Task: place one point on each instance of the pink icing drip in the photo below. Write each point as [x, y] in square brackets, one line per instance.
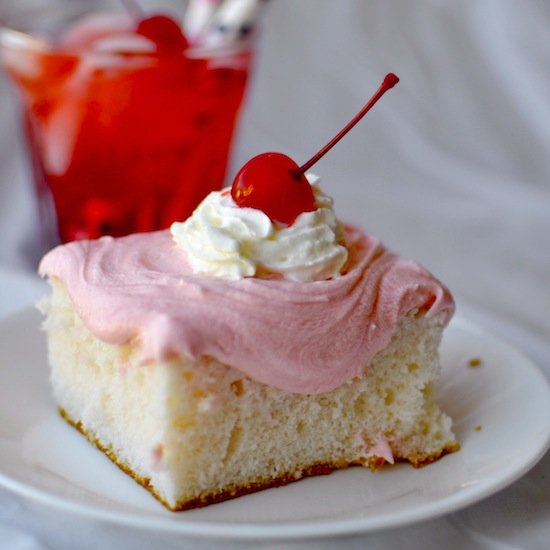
[299, 337]
[382, 449]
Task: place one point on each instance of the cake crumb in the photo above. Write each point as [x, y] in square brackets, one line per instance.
[237, 387]
[477, 428]
[474, 362]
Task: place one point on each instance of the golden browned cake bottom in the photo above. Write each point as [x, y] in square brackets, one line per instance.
[196, 432]
[374, 463]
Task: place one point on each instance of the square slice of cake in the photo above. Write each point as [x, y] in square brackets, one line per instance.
[205, 388]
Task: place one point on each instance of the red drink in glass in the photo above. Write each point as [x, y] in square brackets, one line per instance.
[124, 140]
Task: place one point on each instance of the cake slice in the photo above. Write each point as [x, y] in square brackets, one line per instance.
[205, 388]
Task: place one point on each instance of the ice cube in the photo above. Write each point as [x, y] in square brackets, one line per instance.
[59, 136]
[94, 27]
[124, 43]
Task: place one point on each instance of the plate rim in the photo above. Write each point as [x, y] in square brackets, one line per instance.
[302, 529]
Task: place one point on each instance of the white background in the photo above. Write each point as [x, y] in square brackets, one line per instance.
[452, 168]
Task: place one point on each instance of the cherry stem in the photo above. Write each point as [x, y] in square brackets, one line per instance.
[390, 80]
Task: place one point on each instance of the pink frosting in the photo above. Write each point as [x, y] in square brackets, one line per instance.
[300, 337]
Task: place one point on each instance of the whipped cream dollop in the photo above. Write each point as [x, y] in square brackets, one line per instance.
[224, 240]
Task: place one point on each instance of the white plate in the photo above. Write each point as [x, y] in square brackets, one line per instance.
[43, 458]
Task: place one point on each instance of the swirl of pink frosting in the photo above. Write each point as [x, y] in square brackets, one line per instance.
[300, 337]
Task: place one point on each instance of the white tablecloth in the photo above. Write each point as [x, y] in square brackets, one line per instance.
[452, 168]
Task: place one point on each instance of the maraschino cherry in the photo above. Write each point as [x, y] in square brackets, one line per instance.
[276, 185]
[159, 28]
[164, 32]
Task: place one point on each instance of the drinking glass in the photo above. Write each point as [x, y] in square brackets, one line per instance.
[123, 136]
